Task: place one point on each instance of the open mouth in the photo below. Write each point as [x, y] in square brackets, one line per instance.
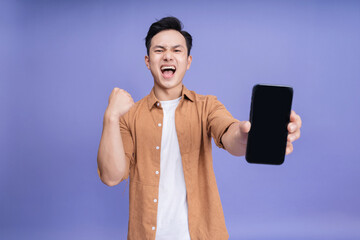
[168, 71]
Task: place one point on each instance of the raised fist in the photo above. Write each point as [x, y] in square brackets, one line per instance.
[120, 101]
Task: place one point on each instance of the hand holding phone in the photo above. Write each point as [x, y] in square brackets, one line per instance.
[269, 117]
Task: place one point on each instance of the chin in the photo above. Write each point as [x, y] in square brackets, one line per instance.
[168, 83]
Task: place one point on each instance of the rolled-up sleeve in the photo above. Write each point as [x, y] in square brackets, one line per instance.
[128, 143]
[219, 120]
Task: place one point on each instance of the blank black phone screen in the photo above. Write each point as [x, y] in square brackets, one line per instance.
[269, 117]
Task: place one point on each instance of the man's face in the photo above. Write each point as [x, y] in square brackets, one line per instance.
[168, 59]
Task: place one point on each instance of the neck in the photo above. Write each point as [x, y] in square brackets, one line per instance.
[165, 94]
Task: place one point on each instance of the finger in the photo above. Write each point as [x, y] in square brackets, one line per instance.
[289, 148]
[299, 121]
[112, 93]
[292, 127]
[245, 126]
[295, 122]
[294, 136]
[295, 118]
[124, 91]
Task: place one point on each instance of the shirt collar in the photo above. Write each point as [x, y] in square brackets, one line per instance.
[185, 94]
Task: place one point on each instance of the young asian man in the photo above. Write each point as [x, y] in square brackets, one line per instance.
[163, 143]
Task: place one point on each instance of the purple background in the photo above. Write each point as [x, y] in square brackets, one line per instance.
[59, 61]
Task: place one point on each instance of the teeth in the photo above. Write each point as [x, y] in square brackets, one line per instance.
[167, 68]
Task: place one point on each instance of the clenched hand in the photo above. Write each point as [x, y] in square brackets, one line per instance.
[120, 101]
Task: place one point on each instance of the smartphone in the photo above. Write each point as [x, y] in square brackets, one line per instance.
[269, 116]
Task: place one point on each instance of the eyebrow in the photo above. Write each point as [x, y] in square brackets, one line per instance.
[162, 47]
[176, 46]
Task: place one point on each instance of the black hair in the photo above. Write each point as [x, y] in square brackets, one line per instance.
[167, 23]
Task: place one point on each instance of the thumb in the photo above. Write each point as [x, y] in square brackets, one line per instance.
[245, 126]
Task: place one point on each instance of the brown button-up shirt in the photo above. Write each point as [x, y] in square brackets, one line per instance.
[197, 119]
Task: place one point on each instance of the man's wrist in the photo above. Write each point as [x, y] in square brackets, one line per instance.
[110, 117]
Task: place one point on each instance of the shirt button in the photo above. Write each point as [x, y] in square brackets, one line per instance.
[157, 147]
[159, 124]
[153, 228]
[157, 104]
[155, 200]
[157, 172]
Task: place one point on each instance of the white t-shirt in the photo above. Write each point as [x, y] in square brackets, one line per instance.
[172, 215]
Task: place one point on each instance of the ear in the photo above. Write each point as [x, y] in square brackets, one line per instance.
[147, 61]
[189, 62]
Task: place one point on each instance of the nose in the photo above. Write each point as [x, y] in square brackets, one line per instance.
[167, 56]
